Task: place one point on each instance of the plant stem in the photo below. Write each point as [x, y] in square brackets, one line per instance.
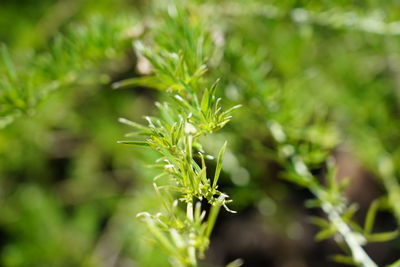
[353, 239]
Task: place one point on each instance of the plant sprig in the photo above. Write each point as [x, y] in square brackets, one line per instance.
[330, 198]
[190, 110]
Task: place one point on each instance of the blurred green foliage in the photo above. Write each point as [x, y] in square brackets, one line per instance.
[325, 73]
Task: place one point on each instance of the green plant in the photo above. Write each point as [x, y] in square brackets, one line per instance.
[330, 198]
[191, 110]
[318, 81]
[82, 49]
[304, 133]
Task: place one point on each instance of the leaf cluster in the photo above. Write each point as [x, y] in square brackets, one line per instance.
[23, 85]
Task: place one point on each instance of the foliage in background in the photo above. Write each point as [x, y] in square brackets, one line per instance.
[83, 48]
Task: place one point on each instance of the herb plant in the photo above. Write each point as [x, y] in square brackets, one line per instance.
[190, 111]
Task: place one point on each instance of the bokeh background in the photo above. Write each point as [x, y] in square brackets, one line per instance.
[328, 71]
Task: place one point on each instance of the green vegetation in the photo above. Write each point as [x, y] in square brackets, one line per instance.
[265, 133]
[191, 111]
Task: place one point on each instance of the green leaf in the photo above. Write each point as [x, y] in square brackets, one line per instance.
[320, 222]
[326, 234]
[135, 143]
[212, 217]
[205, 101]
[313, 203]
[146, 81]
[382, 237]
[230, 110]
[349, 213]
[344, 259]
[133, 124]
[219, 165]
[370, 219]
